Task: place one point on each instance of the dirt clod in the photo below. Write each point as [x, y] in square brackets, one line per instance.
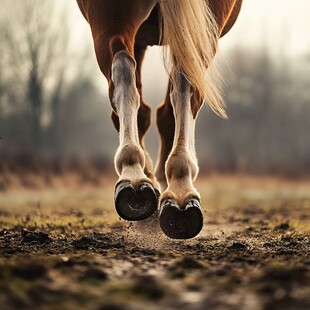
[282, 226]
[35, 236]
[29, 271]
[94, 274]
[188, 263]
[84, 243]
[238, 246]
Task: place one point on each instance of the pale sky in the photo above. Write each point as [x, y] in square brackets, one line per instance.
[280, 20]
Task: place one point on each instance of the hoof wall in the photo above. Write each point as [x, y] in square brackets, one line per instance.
[135, 205]
[181, 223]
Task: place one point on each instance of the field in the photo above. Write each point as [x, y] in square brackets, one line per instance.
[63, 247]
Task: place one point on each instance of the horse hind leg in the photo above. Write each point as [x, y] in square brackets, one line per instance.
[114, 25]
[144, 116]
[135, 195]
[180, 213]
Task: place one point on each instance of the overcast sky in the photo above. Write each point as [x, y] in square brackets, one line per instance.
[278, 20]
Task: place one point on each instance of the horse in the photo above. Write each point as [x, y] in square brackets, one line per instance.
[190, 30]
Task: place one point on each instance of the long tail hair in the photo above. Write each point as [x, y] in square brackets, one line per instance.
[190, 32]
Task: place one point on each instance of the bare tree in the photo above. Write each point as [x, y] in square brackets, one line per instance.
[37, 45]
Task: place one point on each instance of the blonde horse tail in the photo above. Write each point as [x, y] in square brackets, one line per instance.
[190, 31]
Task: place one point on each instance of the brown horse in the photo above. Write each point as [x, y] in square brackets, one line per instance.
[122, 30]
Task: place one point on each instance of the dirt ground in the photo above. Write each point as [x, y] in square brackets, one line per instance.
[65, 248]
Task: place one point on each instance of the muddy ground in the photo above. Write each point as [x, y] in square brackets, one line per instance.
[65, 248]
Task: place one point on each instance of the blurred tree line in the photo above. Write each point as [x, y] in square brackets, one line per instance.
[268, 130]
[49, 104]
[51, 108]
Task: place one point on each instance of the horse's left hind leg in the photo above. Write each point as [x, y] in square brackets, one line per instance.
[114, 26]
[180, 214]
[144, 117]
[135, 196]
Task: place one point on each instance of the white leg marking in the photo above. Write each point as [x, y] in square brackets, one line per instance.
[182, 165]
[129, 158]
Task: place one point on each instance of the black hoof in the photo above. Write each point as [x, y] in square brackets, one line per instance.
[135, 205]
[181, 223]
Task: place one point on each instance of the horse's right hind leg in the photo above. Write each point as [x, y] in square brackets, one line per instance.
[180, 213]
